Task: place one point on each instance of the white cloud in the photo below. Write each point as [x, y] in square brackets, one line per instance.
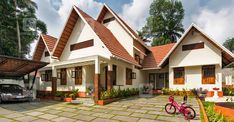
[136, 12]
[90, 6]
[219, 25]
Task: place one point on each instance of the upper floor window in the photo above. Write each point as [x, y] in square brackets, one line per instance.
[208, 74]
[47, 53]
[108, 20]
[193, 46]
[138, 59]
[81, 45]
[179, 75]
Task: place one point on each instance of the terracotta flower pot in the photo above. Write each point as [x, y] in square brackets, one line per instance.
[68, 99]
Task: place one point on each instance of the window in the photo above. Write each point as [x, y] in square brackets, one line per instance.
[138, 59]
[208, 74]
[108, 20]
[81, 45]
[47, 76]
[193, 46]
[78, 75]
[133, 75]
[128, 76]
[179, 75]
[47, 53]
[63, 76]
[114, 74]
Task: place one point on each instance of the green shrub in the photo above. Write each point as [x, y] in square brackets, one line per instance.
[59, 94]
[113, 93]
[228, 91]
[167, 91]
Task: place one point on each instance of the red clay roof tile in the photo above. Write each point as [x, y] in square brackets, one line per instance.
[157, 54]
[50, 41]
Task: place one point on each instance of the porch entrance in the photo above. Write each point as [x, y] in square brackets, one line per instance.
[159, 80]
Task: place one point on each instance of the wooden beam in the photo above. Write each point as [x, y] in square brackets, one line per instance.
[21, 66]
[3, 62]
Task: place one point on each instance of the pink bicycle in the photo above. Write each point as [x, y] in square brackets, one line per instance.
[186, 110]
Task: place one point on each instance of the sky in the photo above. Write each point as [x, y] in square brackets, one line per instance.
[215, 17]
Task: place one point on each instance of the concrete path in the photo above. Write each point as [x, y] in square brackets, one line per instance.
[129, 110]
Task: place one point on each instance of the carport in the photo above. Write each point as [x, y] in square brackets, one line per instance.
[13, 68]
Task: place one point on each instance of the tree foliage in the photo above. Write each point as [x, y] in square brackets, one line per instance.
[229, 44]
[29, 26]
[165, 21]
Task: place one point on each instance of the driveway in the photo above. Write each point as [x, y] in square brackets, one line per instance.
[131, 110]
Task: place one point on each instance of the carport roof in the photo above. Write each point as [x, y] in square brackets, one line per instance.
[17, 67]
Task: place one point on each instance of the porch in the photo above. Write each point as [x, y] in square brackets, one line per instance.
[91, 74]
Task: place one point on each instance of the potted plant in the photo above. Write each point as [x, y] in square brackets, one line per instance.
[89, 91]
[67, 97]
[58, 96]
[74, 94]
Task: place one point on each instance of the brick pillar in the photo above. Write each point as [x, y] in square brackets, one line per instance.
[54, 85]
[109, 80]
[96, 87]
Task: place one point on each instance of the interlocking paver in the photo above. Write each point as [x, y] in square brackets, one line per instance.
[35, 113]
[103, 115]
[148, 116]
[63, 119]
[84, 117]
[5, 120]
[103, 120]
[130, 109]
[67, 114]
[26, 118]
[48, 116]
[126, 118]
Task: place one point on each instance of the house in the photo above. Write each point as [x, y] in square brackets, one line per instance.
[106, 53]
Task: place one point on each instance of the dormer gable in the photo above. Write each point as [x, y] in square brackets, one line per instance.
[44, 47]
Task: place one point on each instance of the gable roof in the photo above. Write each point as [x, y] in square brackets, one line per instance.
[227, 56]
[113, 45]
[101, 16]
[105, 35]
[153, 59]
[45, 41]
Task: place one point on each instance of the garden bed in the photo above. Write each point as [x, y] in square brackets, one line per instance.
[107, 101]
[226, 108]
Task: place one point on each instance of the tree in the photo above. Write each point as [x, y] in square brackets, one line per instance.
[165, 21]
[19, 27]
[229, 44]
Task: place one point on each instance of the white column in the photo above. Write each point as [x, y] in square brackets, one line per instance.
[97, 66]
[54, 71]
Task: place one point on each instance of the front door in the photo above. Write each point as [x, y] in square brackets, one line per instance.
[159, 80]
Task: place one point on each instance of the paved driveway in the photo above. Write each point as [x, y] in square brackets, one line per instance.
[131, 109]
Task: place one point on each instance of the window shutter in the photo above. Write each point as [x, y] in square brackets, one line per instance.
[78, 75]
[179, 75]
[63, 76]
[128, 76]
[208, 74]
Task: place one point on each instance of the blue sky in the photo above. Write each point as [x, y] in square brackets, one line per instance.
[215, 17]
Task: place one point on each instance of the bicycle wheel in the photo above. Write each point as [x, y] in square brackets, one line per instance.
[189, 113]
[170, 109]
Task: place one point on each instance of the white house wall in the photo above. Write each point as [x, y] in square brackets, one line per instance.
[45, 58]
[83, 32]
[193, 60]
[120, 34]
[206, 56]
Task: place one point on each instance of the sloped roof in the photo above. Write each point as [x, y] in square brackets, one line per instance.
[108, 39]
[50, 41]
[227, 56]
[122, 22]
[153, 59]
[45, 41]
